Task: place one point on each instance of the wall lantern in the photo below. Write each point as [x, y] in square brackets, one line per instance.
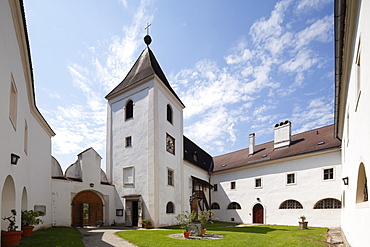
[345, 180]
[258, 199]
[91, 185]
[14, 159]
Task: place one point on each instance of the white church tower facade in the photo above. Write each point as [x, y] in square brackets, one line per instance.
[145, 142]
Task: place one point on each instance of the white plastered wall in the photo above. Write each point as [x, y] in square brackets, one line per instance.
[32, 173]
[356, 132]
[63, 191]
[308, 189]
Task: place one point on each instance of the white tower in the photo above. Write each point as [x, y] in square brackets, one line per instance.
[145, 141]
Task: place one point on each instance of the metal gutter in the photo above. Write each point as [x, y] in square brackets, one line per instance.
[339, 24]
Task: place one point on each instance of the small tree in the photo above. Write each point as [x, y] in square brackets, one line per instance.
[12, 227]
[29, 218]
[205, 217]
[185, 218]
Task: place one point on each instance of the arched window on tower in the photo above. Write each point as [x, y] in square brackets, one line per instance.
[129, 110]
[362, 192]
[170, 208]
[169, 113]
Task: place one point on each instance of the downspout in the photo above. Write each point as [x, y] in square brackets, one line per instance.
[339, 23]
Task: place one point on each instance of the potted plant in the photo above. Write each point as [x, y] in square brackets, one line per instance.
[147, 223]
[303, 224]
[185, 219]
[30, 220]
[204, 218]
[12, 236]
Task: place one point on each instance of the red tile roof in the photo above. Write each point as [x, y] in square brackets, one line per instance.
[303, 143]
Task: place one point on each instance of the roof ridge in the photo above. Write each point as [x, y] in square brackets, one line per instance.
[265, 143]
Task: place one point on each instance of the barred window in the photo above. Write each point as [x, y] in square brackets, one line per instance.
[328, 174]
[291, 204]
[328, 203]
[215, 205]
[170, 208]
[290, 178]
[233, 185]
[258, 183]
[234, 205]
[170, 177]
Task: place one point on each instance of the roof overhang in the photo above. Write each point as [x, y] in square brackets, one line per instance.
[346, 14]
[202, 182]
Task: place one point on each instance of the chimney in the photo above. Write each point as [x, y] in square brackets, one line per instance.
[251, 143]
[282, 133]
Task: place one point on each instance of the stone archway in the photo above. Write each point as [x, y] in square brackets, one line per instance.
[7, 198]
[87, 209]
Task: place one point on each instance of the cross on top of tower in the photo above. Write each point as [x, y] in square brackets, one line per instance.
[147, 28]
[147, 38]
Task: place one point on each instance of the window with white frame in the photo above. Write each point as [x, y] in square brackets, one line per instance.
[170, 177]
[258, 182]
[328, 174]
[13, 104]
[128, 141]
[290, 178]
[233, 185]
[128, 175]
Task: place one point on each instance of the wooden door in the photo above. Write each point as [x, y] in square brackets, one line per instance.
[258, 214]
[87, 209]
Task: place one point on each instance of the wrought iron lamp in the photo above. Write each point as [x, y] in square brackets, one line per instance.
[345, 180]
[14, 159]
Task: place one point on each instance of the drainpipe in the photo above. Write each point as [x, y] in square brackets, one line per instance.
[339, 24]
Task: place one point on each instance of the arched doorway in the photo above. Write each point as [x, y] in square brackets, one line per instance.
[362, 191]
[87, 209]
[7, 198]
[258, 214]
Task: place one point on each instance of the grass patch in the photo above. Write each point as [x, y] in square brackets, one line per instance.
[54, 237]
[208, 225]
[261, 235]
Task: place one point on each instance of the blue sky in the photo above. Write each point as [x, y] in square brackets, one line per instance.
[238, 66]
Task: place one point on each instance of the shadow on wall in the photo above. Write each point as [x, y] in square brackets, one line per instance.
[223, 200]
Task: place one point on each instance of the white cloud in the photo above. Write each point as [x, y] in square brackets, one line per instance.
[81, 122]
[306, 5]
[321, 30]
[263, 29]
